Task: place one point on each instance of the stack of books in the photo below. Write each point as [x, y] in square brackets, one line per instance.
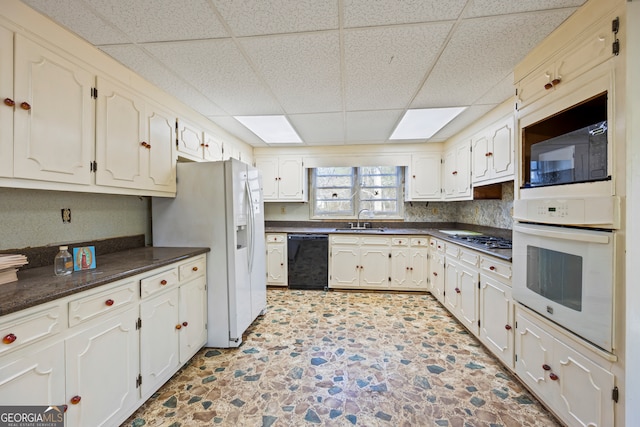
[9, 265]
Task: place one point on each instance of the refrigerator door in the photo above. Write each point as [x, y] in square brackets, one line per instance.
[257, 266]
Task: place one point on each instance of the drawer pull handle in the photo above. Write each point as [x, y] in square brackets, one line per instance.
[163, 282]
[9, 338]
[178, 326]
[548, 86]
[195, 269]
[546, 367]
[457, 290]
[25, 106]
[553, 376]
[109, 302]
[185, 324]
[75, 400]
[9, 102]
[492, 268]
[556, 81]
[507, 327]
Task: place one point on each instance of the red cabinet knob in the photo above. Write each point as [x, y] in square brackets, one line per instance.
[144, 144]
[75, 400]
[556, 81]
[553, 376]
[489, 154]
[548, 86]
[9, 338]
[25, 106]
[454, 172]
[546, 367]
[9, 102]
[414, 176]
[507, 327]
[457, 290]
[411, 269]
[492, 268]
[178, 326]
[435, 274]
[163, 282]
[195, 269]
[108, 302]
[65, 407]
[282, 264]
[185, 324]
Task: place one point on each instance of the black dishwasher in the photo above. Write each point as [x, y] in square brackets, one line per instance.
[308, 260]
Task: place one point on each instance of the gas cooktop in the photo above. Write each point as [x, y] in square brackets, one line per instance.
[487, 242]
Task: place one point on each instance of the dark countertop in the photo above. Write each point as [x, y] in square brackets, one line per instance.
[39, 285]
[400, 229]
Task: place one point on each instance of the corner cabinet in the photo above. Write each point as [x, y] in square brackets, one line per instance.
[277, 265]
[493, 153]
[423, 180]
[456, 174]
[284, 178]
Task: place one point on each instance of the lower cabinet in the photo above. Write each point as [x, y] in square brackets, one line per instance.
[436, 269]
[359, 262]
[461, 286]
[104, 351]
[496, 318]
[409, 263]
[572, 381]
[277, 266]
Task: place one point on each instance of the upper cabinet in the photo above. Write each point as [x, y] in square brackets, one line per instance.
[53, 116]
[283, 178]
[457, 172]
[492, 153]
[190, 140]
[423, 177]
[135, 141]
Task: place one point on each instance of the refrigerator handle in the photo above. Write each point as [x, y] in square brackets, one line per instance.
[250, 225]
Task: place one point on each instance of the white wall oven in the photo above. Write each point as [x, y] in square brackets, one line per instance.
[566, 273]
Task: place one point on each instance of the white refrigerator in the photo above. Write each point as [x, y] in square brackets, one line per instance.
[219, 205]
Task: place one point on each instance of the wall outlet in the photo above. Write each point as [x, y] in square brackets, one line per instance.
[283, 210]
[434, 211]
[66, 215]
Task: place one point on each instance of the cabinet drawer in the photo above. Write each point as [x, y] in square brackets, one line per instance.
[344, 239]
[158, 282]
[97, 303]
[469, 257]
[29, 326]
[276, 238]
[452, 250]
[192, 269]
[497, 267]
[375, 240]
[399, 241]
[419, 241]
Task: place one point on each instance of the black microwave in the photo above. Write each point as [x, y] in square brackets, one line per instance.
[569, 147]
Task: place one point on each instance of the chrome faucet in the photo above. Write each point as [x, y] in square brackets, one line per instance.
[358, 224]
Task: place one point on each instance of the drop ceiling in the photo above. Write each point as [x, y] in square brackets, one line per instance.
[342, 71]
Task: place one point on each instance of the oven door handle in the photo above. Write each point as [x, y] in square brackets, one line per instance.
[563, 233]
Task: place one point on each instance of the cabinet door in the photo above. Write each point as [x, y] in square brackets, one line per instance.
[480, 149]
[268, 166]
[451, 291]
[462, 173]
[290, 178]
[212, 148]
[54, 116]
[496, 318]
[102, 366]
[436, 276]
[193, 318]
[468, 302]
[276, 260]
[6, 111]
[159, 339]
[159, 161]
[449, 173]
[120, 135]
[33, 377]
[374, 266]
[400, 267]
[503, 150]
[419, 268]
[534, 355]
[424, 177]
[190, 139]
[345, 266]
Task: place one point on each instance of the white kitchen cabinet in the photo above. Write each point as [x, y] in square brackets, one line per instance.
[193, 317]
[277, 265]
[496, 318]
[457, 172]
[460, 294]
[359, 262]
[436, 268]
[53, 116]
[409, 263]
[6, 109]
[423, 180]
[493, 153]
[102, 365]
[283, 178]
[135, 141]
[190, 139]
[573, 382]
[213, 148]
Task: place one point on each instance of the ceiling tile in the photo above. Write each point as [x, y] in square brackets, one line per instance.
[503, 7]
[481, 53]
[366, 13]
[230, 82]
[278, 16]
[161, 20]
[319, 128]
[384, 67]
[81, 19]
[306, 63]
[371, 126]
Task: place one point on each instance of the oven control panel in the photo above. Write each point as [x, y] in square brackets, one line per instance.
[597, 212]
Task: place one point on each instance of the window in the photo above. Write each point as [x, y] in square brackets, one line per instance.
[342, 192]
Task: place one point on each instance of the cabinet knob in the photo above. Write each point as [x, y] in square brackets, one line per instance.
[489, 154]
[109, 302]
[282, 264]
[185, 324]
[553, 376]
[163, 282]
[411, 269]
[75, 400]
[556, 81]
[194, 269]
[507, 327]
[178, 326]
[25, 106]
[9, 102]
[435, 274]
[144, 144]
[548, 86]
[9, 338]
[414, 176]
[546, 367]
[65, 407]
[457, 290]
[454, 173]
[492, 268]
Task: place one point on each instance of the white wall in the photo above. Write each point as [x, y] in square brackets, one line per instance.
[31, 218]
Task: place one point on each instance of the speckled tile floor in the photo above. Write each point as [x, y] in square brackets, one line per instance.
[343, 359]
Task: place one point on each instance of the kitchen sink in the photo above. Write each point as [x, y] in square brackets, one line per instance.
[357, 230]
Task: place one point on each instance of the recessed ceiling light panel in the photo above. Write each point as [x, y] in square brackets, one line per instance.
[271, 129]
[425, 122]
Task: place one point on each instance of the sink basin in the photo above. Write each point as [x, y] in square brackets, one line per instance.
[357, 230]
[461, 232]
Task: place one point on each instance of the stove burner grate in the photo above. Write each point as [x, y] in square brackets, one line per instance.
[489, 242]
